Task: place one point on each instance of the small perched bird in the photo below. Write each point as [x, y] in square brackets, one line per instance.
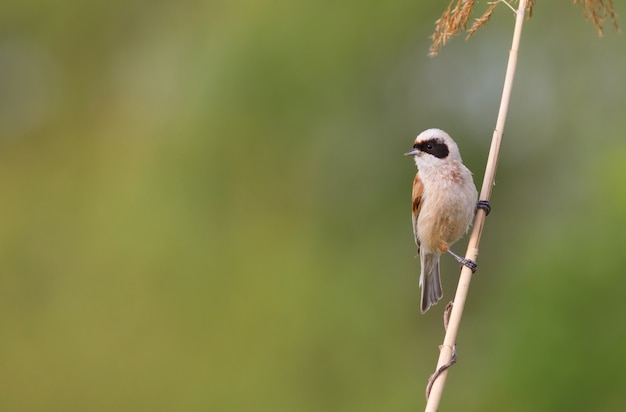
[444, 202]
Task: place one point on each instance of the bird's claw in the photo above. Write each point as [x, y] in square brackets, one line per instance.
[484, 205]
[465, 262]
[470, 264]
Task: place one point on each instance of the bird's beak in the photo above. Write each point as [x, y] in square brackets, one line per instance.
[413, 152]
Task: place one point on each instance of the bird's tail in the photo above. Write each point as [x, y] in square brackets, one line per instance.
[430, 282]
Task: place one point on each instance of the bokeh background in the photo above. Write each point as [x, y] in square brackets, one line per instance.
[205, 207]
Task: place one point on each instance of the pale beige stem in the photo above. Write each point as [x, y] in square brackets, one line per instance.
[472, 248]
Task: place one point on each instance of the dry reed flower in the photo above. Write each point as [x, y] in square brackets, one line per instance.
[451, 21]
[529, 8]
[482, 20]
[597, 11]
[454, 19]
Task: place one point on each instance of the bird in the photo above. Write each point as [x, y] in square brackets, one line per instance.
[444, 202]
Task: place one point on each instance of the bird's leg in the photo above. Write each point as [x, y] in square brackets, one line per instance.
[466, 262]
[484, 205]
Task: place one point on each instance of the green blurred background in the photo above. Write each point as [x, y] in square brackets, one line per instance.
[205, 207]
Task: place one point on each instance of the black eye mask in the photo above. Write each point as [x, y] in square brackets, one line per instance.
[435, 147]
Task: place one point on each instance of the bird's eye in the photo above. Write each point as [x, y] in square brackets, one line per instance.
[429, 146]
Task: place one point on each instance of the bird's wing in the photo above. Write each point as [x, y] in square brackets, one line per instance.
[418, 191]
